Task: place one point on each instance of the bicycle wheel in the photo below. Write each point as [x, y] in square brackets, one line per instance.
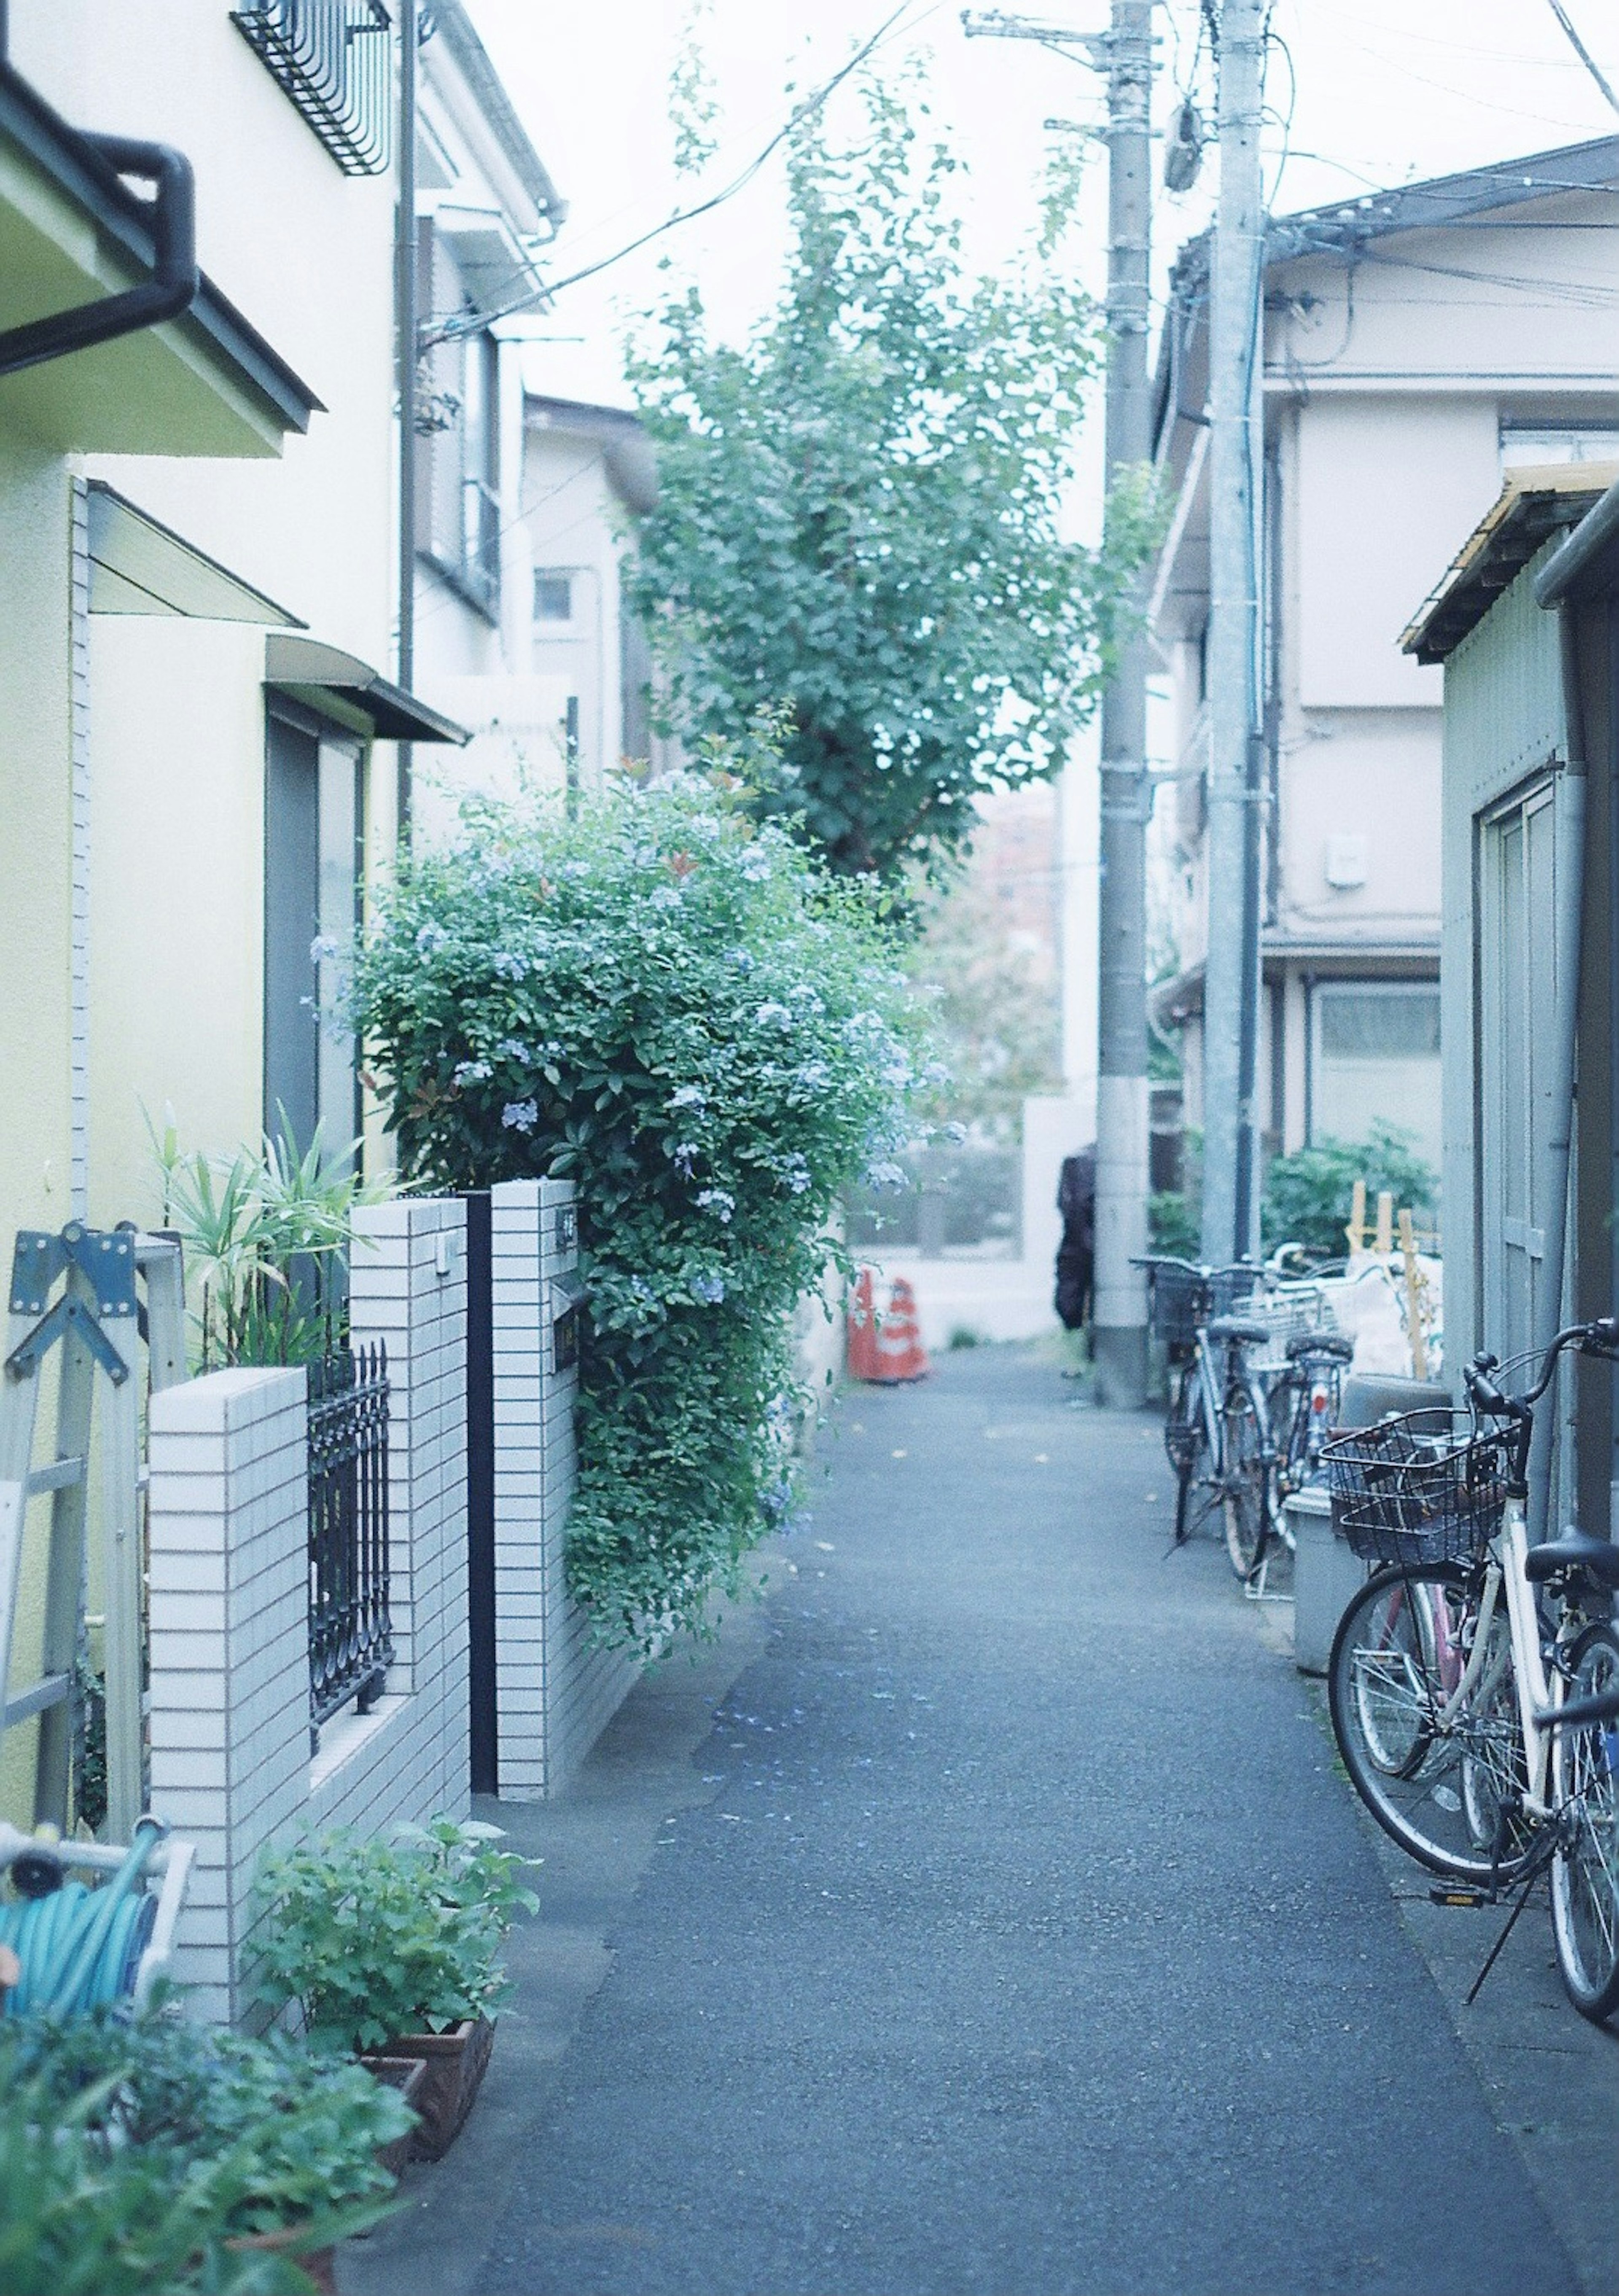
[1186, 1442]
[1585, 1868]
[1247, 1483]
[1399, 1656]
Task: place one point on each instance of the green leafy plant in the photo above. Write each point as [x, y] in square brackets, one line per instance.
[1308, 1195]
[858, 509]
[303, 2131]
[83, 2213]
[267, 1234]
[374, 1938]
[708, 1032]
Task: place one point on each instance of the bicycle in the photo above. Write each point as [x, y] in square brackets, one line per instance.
[1216, 1428]
[1469, 1720]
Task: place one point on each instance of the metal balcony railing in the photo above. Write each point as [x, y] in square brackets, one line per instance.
[351, 1633]
[334, 58]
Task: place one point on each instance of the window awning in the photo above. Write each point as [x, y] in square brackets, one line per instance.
[140, 566]
[321, 675]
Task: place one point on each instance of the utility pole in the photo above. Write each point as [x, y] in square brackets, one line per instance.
[1230, 980]
[1119, 1320]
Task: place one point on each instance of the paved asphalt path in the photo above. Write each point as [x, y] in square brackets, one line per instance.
[1025, 1941]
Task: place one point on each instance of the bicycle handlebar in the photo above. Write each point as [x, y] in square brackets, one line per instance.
[1600, 1338]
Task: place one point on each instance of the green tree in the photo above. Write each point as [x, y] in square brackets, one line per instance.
[858, 509]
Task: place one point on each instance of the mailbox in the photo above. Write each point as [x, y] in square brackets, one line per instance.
[568, 1298]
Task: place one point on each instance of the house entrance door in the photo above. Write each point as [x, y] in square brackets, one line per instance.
[1517, 1007]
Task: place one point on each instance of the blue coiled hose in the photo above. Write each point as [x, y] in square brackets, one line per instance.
[80, 1947]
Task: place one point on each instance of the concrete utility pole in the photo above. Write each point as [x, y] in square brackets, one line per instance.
[1119, 1321]
[1122, 1144]
[1235, 779]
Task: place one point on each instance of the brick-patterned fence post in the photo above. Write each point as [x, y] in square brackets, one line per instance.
[229, 1611]
[555, 1690]
[407, 1283]
[228, 1541]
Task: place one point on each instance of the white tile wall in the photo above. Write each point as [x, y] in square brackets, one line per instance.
[555, 1692]
[229, 1601]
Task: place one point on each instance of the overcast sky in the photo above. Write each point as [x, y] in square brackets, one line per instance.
[1386, 90]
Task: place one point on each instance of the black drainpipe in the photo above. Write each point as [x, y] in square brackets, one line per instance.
[175, 279]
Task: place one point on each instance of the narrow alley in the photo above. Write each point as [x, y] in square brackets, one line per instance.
[1012, 1931]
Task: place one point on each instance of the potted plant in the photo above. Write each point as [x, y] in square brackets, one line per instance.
[250, 2153]
[391, 1949]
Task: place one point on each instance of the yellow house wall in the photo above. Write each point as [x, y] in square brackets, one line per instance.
[177, 887]
[35, 838]
[36, 854]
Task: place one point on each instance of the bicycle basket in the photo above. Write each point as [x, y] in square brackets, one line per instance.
[1423, 1488]
[1293, 1311]
[1178, 1304]
[1183, 1300]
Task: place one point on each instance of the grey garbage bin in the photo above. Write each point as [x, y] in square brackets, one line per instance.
[1326, 1576]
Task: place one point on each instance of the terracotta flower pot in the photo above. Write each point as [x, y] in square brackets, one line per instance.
[455, 2063]
[319, 2263]
[408, 2076]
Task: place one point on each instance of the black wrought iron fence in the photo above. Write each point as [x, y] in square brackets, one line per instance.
[351, 1635]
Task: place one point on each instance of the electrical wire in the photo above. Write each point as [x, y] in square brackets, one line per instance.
[475, 322]
[1582, 51]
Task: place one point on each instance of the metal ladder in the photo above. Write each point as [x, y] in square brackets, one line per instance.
[98, 1319]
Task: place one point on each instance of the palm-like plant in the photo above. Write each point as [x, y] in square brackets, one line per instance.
[267, 1234]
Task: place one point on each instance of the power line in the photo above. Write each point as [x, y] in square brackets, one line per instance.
[1582, 51]
[474, 323]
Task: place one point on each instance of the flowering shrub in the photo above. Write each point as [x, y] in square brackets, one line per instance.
[708, 1033]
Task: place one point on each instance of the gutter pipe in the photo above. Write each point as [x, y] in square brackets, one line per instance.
[173, 286]
[175, 280]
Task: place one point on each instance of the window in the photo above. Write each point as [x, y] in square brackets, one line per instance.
[313, 827]
[1572, 442]
[1375, 1059]
[334, 58]
[458, 524]
[553, 597]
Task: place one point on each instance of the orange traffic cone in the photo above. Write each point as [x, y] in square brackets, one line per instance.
[861, 1356]
[899, 1338]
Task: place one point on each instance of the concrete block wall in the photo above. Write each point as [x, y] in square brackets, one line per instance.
[555, 1690]
[227, 1533]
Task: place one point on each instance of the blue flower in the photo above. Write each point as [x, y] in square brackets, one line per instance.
[513, 1048]
[666, 896]
[709, 1289]
[511, 968]
[471, 1072]
[429, 940]
[770, 1011]
[685, 1152]
[326, 950]
[688, 1095]
[520, 1115]
[717, 1201]
[754, 863]
[885, 1176]
[741, 958]
[796, 1172]
[814, 1076]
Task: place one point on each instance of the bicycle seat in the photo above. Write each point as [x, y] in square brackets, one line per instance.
[1576, 1550]
[1232, 1327]
[1330, 1345]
